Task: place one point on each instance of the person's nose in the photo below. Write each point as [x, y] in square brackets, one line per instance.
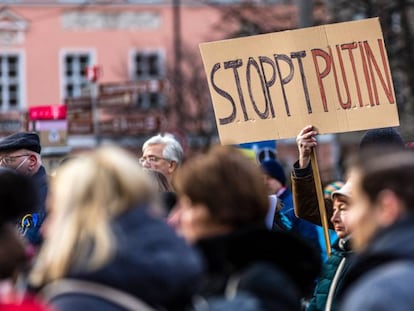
[334, 216]
[3, 163]
[146, 164]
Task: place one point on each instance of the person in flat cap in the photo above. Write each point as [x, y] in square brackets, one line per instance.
[21, 152]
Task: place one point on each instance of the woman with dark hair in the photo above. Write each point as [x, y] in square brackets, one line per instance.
[223, 203]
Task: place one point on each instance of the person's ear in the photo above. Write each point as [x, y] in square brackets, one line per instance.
[390, 208]
[32, 162]
[172, 167]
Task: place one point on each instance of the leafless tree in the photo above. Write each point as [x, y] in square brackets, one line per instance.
[397, 22]
[194, 114]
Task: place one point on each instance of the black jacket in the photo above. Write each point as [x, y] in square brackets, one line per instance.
[276, 268]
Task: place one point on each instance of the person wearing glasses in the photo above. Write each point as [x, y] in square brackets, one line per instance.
[21, 152]
[162, 153]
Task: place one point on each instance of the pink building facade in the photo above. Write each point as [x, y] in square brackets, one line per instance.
[50, 44]
[46, 47]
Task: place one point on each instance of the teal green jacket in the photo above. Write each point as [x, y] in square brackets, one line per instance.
[337, 263]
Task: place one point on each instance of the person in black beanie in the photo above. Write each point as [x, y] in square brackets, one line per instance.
[388, 136]
[21, 152]
[285, 218]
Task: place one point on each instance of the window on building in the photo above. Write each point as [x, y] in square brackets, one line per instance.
[149, 65]
[10, 82]
[74, 73]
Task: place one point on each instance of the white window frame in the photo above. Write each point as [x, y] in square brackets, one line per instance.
[4, 80]
[65, 52]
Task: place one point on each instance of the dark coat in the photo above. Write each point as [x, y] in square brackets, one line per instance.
[151, 263]
[382, 276]
[276, 268]
[31, 228]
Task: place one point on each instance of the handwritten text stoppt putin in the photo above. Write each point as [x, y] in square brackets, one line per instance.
[335, 77]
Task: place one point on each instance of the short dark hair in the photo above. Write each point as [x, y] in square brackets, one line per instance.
[383, 168]
[228, 183]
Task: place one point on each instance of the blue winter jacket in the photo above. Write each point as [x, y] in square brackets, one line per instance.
[303, 228]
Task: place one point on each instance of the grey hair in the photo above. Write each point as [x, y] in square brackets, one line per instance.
[172, 150]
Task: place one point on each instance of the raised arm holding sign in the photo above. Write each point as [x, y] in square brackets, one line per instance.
[335, 77]
[306, 142]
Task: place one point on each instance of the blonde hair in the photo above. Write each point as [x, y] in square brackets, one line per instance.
[87, 193]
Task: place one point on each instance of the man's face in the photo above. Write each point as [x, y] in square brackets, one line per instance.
[18, 160]
[363, 216]
[153, 158]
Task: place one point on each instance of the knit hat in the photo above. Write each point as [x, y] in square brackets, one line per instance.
[381, 137]
[21, 140]
[345, 190]
[274, 169]
[331, 187]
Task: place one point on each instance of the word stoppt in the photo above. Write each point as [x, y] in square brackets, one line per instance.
[326, 63]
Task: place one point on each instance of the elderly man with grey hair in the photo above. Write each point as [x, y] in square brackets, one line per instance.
[162, 153]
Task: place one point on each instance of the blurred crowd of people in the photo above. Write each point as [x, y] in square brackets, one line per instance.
[111, 230]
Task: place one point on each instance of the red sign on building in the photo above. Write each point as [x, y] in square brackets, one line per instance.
[52, 112]
[93, 73]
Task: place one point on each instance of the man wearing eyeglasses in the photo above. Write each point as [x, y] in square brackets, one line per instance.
[21, 152]
[162, 153]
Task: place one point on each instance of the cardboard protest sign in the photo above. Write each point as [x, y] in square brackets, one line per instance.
[335, 77]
